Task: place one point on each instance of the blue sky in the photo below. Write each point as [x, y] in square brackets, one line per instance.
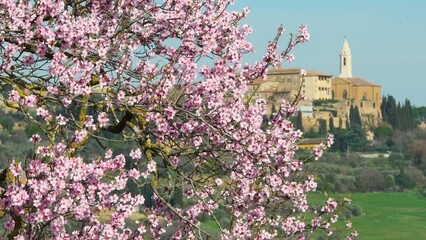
[387, 38]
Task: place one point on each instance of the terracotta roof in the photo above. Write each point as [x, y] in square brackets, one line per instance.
[317, 73]
[278, 71]
[269, 90]
[358, 81]
[297, 71]
[284, 70]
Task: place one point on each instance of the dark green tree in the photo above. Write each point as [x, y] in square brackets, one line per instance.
[354, 116]
[299, 121]
[323, 127]
[331, 124]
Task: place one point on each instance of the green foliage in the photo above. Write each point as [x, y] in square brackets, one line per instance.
[331, 124]
[323, 127]
[354, 117]
[7, 122]
[347, 214]
[356, 210]
[405, 181]
[419, 113]
[32, 129]
[325, 101]
[399, 116]
[389, 181]
[383, 131]
[299, 121]
[352, 139]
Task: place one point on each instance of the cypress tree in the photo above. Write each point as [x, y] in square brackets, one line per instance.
[383, 108]
[410, 116]
[323, 127]
[331, 124]
[299, 121]
[357, 116]
[351, 116]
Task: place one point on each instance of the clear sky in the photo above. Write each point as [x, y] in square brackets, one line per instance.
[387, 38]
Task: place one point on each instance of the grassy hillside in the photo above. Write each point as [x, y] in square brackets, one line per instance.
[388, 215]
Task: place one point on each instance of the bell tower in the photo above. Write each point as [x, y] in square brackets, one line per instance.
[345, 60]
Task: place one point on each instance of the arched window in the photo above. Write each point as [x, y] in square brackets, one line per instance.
[345, 94]
[364, 96]
[332, 94]
[344, 61]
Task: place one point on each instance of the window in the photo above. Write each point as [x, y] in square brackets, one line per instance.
[344, 61]
[345, 94]
[364, 96]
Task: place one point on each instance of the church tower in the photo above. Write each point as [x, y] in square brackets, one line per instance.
[345, 61]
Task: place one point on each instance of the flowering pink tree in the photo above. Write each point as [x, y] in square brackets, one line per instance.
[167, 77]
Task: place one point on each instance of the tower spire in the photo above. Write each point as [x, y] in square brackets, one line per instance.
[345, 60]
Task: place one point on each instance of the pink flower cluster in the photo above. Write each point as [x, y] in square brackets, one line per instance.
[66, 188]
[167, 79]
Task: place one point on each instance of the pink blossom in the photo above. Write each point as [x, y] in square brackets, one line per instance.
[62, 121]
[290, 58]
[330, 139]
[103, 119]
[303, 35]
[15, 168]
[41, 50]
[45, 114]
[135, 153]
[66, 101]
[9, 225]
[218, 181]
[121, 95]
[317, 152]
[35, 138]
[28, 60]
[151, 167]
[80, 135]
[14, 96]
[30, 100]
[129, 72]
[135, 174]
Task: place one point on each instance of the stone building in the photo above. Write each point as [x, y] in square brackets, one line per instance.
[356, 91]
[336, 94]
[285, 83]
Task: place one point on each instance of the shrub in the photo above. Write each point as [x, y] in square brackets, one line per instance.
[356, 210]
[404, 181]
[371, 179]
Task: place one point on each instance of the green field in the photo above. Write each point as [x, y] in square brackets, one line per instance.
[389, 215]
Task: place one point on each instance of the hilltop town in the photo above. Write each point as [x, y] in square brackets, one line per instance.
[328, 98]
